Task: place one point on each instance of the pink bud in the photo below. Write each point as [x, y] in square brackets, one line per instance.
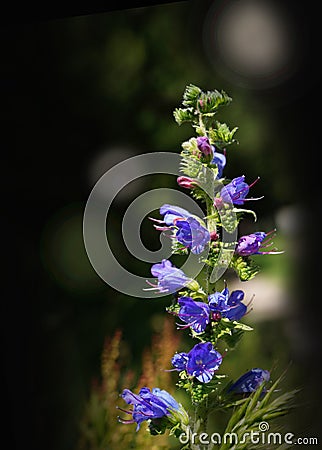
[185, 182]
[213, 236]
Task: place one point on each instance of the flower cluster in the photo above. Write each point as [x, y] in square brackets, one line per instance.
[198, 315]
[211, 315]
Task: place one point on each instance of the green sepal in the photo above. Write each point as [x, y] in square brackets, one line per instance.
[195, 166]
[190, 147]
[173, 308]
[177, 248]
[244, 266]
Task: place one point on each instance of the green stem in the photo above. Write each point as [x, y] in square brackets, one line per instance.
[201, 124]
[212, 227]
[202, 411]
[200, 423]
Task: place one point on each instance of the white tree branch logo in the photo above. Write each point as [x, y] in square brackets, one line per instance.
[97, 208]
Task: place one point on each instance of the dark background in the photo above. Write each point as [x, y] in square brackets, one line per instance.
[68, 90]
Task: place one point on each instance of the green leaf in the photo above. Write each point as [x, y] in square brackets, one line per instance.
[230, 331]
[210, 101]
[242, 326]
[191, 96]
[248, 211]
[221, 136]
[233, 339]
[258, 407]
[184, 115]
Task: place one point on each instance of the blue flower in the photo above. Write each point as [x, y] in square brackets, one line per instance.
[192, 234]
[236, 191]
[220, 160]
[171, 213]
[148, 405]
[189, 231]
[228, 306]
[170, 278]
[201, 362]
[195, 314]
[166, 398]
[251, 244]
[250, 381]
[180, 361]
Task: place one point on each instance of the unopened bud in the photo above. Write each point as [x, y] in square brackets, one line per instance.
[204, 146]
[213, 236]
[185, 182]
[193, 285]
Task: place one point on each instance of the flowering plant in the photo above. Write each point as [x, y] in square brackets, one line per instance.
[213, 317]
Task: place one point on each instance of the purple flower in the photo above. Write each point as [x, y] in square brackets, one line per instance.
[204, 145]
[189, 231]
[236, 191]
[171, 213]
[148, 405]
[170, 278]
[166, 398]
[195, 314]
[227, 306]
[192, 234]
[251, 244]
[220, 160]
[201, 362]
[250, 381]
